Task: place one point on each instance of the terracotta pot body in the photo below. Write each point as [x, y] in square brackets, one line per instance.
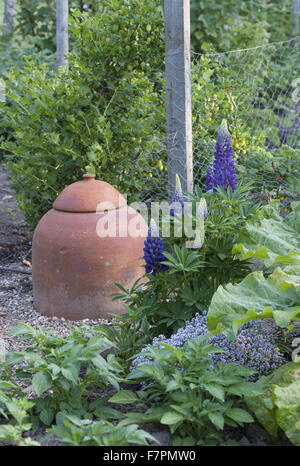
[75, 266]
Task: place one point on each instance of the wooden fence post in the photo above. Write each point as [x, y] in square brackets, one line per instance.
[178, 93]
[295, 17]
[8, 20]
[62, 32]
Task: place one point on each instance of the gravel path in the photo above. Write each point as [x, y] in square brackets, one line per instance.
[16, 305]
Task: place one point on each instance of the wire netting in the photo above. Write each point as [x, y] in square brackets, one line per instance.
[258, 91]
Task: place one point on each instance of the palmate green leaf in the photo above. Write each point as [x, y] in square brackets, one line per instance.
[244, 389]
[253, 298]
[47, 415]
[152, 415]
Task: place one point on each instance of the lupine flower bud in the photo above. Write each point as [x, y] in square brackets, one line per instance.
[178, 201]
[223, 172]
[153, 250]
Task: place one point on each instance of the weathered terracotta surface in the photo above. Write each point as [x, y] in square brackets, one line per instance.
[74, 270]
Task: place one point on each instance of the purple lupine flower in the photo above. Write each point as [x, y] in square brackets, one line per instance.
[223, 173]
[178, 202]
[153, 251]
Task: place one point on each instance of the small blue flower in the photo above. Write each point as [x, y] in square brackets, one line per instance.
[253, 346]
[153, 250]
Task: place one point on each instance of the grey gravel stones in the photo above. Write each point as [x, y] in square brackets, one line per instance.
[16, 305]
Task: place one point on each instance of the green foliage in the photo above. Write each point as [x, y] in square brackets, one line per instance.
[255, 297]
[279, 403]
[276, 241]
[267, 235]
[73, 431]
[37, 19]
[63, 372]
[13, 431]
[171, 297]
[260, 111]
[233, 24]
[188, 395]
[104, 116]
[129, 333]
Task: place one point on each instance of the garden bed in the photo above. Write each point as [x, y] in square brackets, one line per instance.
[16, 305]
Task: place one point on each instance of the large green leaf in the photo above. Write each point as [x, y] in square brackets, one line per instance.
[287, 401]
[288, 277]
[293, 219]
[124, 397]
[267, 235]
[171, 417]
[41, 381]
[267, 405]
[254, 297]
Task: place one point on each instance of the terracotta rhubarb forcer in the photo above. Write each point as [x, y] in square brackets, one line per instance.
[75, 265]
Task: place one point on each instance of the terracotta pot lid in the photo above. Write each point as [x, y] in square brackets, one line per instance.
[87, 196]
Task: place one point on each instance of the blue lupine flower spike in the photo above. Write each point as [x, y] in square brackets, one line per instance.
[223, 172]
[153, 251]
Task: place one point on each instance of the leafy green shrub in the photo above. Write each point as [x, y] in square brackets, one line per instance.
[188, 395]
[73, 431]
[37, 19]
[13, 431]
[105, 116]
[63, 372]
[233, 24]
[129, 332]
[226, 25]
[171, 297]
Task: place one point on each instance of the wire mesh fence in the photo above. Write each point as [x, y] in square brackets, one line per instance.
[111, 116]
[257, 90]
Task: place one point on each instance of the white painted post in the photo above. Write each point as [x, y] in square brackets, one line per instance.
[178, 93]
[62, 32]
[295, 17]
[8, 20]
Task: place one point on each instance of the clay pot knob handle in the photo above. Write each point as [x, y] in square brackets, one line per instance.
[89, 176]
